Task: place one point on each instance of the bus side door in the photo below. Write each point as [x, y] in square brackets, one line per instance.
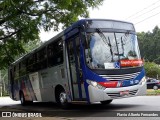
[77, 84]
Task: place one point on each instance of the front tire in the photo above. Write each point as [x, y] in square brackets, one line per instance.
[106, 102]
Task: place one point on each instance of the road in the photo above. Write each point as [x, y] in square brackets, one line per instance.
[89, 112]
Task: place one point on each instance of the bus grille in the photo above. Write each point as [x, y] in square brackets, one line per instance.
[120, 77]
[117, 94]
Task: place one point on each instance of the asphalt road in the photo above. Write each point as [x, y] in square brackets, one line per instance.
[119, 107]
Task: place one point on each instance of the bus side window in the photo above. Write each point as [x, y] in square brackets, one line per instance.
[41, 59]
[51, 52]
[35, 65]
[17, 71]
[22, 68]
[60, 52]
[30, 64]
[55, 53]
[14, 72]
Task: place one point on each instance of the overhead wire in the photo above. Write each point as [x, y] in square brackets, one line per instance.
[145, 12]
[143, 9]
[138, 15]
[147, 18]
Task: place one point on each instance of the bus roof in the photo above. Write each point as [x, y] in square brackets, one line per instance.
[83, 21]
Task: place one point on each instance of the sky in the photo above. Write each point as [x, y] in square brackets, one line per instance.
[144, 14]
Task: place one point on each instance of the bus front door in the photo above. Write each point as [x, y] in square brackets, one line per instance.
[75, 72]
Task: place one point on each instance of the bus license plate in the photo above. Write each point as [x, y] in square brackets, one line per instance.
[124, 93]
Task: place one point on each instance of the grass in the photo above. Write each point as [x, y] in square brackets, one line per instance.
[152, 92]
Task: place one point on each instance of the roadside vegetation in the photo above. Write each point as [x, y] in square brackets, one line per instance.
[151, 92]
[152, 70]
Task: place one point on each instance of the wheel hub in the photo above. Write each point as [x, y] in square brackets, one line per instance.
[63, 98]
[22, 100]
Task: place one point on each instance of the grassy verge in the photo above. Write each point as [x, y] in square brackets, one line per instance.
[153, 92]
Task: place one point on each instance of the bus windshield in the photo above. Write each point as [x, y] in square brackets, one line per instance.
[111, 50]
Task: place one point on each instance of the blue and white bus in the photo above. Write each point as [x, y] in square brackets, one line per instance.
[93, 60]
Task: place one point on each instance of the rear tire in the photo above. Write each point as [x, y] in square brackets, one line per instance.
[106, 102]
[23, 101]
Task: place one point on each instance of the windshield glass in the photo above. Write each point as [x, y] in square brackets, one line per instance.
[110, 50]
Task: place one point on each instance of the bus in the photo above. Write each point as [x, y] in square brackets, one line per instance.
[92, 61]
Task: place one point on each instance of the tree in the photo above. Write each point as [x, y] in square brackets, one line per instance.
[3, 82]
[31, 45]
[157, 60]
[152, 69]
[21, 21]
[149, 43]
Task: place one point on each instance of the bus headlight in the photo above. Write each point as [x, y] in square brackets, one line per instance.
[142, 81]
[95, 84]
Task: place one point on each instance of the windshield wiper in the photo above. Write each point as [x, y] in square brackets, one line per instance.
[102, 36]
[110, 47]
[105, 40]
[122, 45]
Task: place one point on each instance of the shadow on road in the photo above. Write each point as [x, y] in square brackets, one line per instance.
[53, 106]
[75, 110]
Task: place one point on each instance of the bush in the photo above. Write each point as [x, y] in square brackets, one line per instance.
[152, 69]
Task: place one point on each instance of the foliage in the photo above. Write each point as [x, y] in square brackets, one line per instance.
[21, 21]
[5, 93]
[149, 43]
[152, 69]
[4, 73]
[153, 92]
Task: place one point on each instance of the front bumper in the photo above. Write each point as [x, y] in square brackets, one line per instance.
[97, 95]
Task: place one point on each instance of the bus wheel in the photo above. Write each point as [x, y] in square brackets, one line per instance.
[106, 102]
[62, 99]
[22, 99]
